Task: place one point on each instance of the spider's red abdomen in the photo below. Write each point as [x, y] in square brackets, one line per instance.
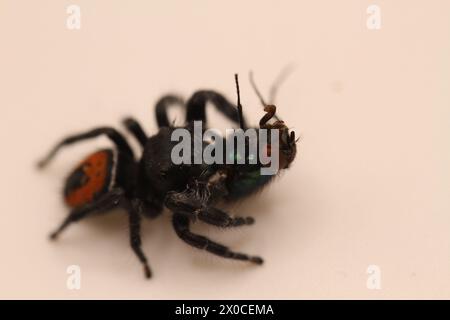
[91, 178]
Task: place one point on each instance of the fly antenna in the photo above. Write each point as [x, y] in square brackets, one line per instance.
[284, 74]
[258, 93]
[239, 106]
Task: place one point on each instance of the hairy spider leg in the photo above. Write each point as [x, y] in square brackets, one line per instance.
[182, 203]
[195, 111]
[181, 225]
[162, 119]
[111, 133]
[134, 216]
[133, 126]
[197, 103]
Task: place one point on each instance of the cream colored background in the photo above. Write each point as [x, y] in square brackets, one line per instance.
[370, 186]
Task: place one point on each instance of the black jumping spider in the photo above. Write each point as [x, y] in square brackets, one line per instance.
[112, 178]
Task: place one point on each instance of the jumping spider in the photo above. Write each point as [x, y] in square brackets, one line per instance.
[111, 178]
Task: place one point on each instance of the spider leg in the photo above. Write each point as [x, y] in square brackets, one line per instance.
[135, 235]
[186, 204]
[135, 128]
[220, 218]
[181, 225]
[111, 133]
[161, 117]
[195, 201]
[197, 103]
[161, 109]
[106, 202]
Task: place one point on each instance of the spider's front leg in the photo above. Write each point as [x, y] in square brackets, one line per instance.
[185, 203]
[192, 204]
[195, 202]
[196, 107]
[181, 224]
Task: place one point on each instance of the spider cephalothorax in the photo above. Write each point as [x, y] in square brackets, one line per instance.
[112, 178]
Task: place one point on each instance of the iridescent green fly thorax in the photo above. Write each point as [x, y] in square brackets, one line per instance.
[247, 183]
